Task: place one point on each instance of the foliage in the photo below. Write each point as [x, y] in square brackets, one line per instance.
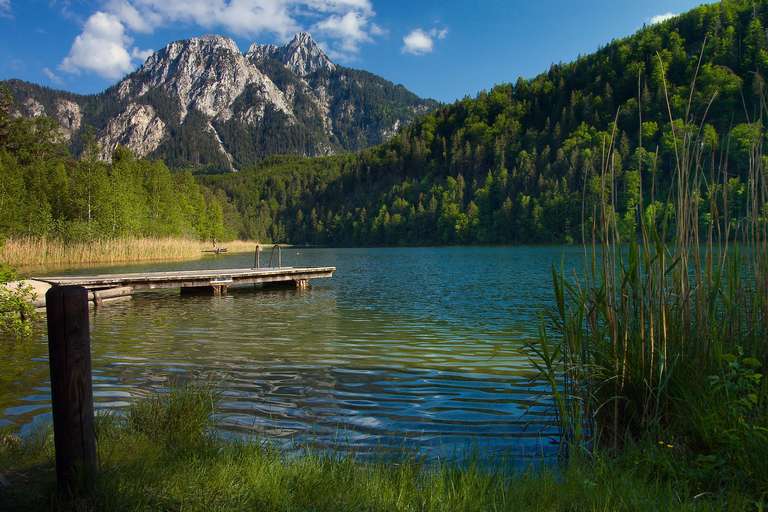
[663, 337]
[510, 165]
[7, 273]
[17, 313]
[45, 192]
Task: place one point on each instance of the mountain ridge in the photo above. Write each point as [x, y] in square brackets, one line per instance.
[202, 102]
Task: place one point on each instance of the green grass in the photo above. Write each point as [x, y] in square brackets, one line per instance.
[161, 456]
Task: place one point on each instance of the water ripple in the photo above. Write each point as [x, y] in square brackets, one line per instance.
[416, 349]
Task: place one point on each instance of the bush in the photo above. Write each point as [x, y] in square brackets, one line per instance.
[17, 311]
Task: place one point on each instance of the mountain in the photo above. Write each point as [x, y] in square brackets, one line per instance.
[201, 102]
[520, 163]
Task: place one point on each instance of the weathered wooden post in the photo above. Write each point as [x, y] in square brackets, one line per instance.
[279, 257]
[69, 349]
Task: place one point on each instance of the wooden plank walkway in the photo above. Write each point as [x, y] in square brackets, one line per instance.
[214, 280]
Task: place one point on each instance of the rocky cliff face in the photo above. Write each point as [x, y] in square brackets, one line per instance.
[201, 102]
[302, 55]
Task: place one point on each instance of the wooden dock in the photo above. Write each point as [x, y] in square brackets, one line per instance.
[213, 282]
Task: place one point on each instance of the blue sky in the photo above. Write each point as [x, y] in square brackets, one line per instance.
[444, 49]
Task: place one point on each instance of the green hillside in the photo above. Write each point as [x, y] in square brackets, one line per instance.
[517, 163]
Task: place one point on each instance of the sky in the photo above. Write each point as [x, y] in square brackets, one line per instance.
[442, 49]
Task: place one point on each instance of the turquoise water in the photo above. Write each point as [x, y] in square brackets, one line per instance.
[415, 348]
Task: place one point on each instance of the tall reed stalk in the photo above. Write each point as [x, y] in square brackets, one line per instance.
[670, 322]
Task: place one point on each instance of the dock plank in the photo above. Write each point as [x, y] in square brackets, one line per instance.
[192, 278]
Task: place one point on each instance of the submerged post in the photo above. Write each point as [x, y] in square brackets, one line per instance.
[69, 349]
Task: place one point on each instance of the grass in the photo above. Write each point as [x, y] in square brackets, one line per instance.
[33, 251]
[161, 455]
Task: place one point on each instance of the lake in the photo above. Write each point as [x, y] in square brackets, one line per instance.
[404, 348]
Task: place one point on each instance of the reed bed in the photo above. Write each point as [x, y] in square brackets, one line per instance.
[33, 252]
[656, 353]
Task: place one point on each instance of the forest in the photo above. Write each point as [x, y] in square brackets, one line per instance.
[519, 163]
[47, 193]
[516, 164]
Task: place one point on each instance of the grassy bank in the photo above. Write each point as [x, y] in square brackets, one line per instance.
[161, 456]
[30, 252]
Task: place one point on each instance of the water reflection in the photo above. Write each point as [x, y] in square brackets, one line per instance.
[403, 348]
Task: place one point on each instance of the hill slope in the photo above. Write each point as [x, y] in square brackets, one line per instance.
[511, 164]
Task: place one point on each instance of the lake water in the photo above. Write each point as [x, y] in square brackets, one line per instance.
[404, 348]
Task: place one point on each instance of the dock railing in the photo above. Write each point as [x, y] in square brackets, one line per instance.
[276, 250]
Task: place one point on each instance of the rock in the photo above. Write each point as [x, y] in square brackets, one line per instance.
[137, 127]
[69, 117]
[39, 289]
[301, 55]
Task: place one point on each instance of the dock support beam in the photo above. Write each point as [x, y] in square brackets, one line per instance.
[69, 349]
[215, 290]
[301, 284]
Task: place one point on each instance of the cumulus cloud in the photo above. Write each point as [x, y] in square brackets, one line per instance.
[421, 42]
[101, 48]
[350, 30]
[105, 45]
[345, 24]
[141, 55]
[53, 77]
[661, 18]
[5, 8]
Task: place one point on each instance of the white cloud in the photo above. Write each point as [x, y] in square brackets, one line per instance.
[53, 77]
[346, 24]
[129, 15]
[141, 55]
[105, 47]
[5, 8]
[349, 30]
[661, 18]
[101, 48]
[418, 42]
[421, 42]
[377, 30]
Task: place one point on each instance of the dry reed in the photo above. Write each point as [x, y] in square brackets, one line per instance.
[33, 251]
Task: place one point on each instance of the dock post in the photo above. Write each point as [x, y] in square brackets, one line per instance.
[279, 257]
[69, 349]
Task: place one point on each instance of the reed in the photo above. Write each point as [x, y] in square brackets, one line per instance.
[33, 251]
[660, 343]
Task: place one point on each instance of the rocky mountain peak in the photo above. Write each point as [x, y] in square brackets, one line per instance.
[197, 45]
[201, 102]
[207, 73]
[302, 55]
